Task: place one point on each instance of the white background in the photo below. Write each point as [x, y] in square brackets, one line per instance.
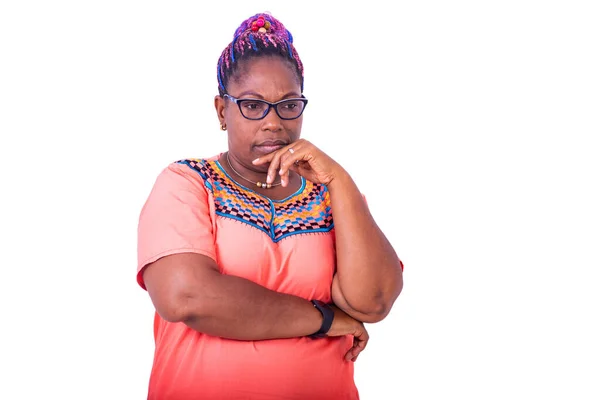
[471, 126]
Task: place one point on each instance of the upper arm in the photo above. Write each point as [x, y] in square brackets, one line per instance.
[342, 303]
[174, 283]
[175, 236]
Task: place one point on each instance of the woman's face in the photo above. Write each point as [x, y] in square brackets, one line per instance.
[265, 78]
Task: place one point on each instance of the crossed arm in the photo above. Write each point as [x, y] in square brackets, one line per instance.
[189, 288]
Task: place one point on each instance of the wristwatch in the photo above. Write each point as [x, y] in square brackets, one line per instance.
[328, 314]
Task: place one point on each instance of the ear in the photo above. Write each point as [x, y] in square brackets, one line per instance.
[220, 107]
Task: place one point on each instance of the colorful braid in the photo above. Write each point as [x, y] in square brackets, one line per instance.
[259, 35]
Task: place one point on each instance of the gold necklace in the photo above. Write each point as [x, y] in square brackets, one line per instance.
[258, 184]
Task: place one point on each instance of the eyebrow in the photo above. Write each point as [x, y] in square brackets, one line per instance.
[257, 95]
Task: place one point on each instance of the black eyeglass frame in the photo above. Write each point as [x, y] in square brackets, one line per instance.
[270, 105]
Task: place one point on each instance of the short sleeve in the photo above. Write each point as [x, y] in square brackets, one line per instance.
[176, 218]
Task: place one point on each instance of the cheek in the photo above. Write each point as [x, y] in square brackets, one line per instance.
[235, 122]
[240, 131]
[230, 113]
[295, 128]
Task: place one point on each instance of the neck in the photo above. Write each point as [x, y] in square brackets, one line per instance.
[246, 175]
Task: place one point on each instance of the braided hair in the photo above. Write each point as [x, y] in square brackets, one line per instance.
[258, 36]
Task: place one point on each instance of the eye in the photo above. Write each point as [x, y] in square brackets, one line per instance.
[251, 105]
[290, 106]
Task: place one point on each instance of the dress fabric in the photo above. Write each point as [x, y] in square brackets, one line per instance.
[286, 245]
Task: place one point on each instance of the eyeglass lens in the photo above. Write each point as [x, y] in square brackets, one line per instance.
[257, 109]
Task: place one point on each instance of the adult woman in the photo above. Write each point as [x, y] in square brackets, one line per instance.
[257, 295]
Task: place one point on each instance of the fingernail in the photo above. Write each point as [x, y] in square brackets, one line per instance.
[280, 171]
[255, 161]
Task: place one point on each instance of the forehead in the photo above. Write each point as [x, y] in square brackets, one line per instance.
[268, 76]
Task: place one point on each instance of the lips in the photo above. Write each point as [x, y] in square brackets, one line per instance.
[269, 146]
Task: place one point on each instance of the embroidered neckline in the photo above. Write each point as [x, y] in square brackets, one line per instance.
[234, 182]
[306, 211]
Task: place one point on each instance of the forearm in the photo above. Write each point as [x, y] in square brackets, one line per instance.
[369, 275]
[236, 308]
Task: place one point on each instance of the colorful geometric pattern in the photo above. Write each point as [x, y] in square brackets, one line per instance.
[306, 211]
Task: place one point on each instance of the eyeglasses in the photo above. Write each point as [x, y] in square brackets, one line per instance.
[256, 109]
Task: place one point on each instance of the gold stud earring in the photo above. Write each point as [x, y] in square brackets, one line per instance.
[223, 127]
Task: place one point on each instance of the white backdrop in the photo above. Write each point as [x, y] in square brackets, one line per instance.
[471, 127]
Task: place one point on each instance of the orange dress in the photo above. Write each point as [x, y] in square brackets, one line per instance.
[286, 245]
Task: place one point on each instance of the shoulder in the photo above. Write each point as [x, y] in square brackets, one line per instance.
[190, 171]
[187, 181]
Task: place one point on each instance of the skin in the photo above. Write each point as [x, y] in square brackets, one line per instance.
[271, 79]
[189, 288]
[369, 274]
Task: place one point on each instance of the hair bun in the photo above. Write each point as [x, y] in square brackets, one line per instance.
[263, 23]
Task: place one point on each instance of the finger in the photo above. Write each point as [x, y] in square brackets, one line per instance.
[288, 158]
[362, 340]
[357, 347]
[295, 167]
[264, 159]
[285, 178]
[274, 166]
[349, 356]
[269, 157]
[353, 353]
[354, 356]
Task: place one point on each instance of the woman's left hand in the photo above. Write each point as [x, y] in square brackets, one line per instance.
[303, 158]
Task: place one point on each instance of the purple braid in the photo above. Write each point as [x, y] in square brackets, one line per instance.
[246, 44]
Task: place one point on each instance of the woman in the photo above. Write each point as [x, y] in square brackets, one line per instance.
[257, 295]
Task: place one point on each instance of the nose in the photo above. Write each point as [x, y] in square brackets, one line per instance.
[271, 121]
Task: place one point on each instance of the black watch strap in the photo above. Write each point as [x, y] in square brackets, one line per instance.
[328, 314]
